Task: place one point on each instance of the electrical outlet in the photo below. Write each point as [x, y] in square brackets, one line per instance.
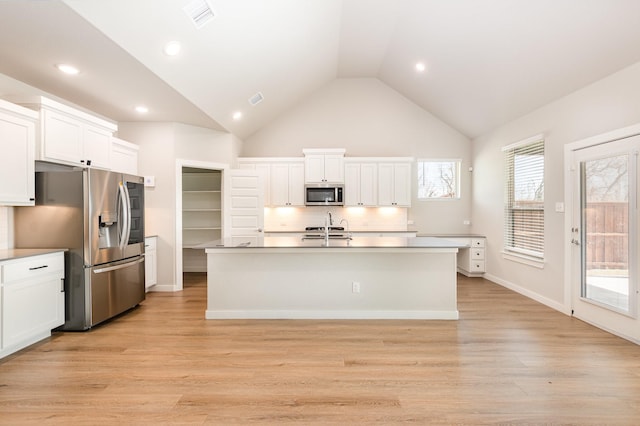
[355, 287]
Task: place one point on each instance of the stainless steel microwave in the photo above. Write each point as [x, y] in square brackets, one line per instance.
[322, 194]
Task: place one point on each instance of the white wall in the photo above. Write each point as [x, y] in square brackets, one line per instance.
[161, 144]
[608, 104]
[4, 228]
[369, 119]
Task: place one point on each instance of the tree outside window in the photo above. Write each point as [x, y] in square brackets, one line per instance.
[438, 179]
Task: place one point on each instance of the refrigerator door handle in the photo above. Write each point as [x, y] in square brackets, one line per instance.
[124, 205]
[128, 229]
[120, 266]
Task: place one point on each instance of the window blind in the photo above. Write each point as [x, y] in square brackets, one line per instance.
[524, 197]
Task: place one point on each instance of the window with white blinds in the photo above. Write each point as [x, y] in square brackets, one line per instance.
[524, 198]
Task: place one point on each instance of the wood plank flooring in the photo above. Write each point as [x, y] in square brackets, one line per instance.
[508, 360]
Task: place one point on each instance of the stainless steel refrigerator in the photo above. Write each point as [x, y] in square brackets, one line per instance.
[99, 217]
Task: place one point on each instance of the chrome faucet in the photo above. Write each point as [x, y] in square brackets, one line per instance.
[348, 232]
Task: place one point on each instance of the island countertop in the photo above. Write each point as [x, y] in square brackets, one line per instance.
[336, 243]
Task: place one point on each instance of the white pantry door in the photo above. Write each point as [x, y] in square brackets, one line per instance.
[244, 204]
[604, 235]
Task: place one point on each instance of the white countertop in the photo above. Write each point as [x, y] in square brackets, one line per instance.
[356, 242]
[9, 254]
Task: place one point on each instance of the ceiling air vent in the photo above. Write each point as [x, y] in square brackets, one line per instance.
[200, 12]
[256, 99]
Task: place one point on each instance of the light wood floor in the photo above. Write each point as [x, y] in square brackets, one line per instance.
[508, 360]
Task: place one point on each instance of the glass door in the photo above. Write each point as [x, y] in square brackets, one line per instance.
[604, 236]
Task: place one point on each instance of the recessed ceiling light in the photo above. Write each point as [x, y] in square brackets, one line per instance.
[142, 109]
[172, 48]
[68, 69]
[237, 115]
[421, 67]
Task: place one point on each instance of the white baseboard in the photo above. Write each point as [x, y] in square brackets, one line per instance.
[608, 330]
[163, 287]
[530, 294]
[310, 314]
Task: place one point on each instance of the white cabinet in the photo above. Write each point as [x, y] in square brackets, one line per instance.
[322, 165]
[401, 234]
[124, 156]
[70, 136]
[287, 183]
[471, 261]
[32, 295]
[361, 184]
[394, 184]
[283, 179]
[150, 262]
[264, 171]
[201, 206]
[17, 141]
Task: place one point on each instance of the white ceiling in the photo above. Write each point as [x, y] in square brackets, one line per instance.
[489, 61]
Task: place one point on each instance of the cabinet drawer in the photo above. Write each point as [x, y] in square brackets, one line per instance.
[33, 266]
[150, 243]
[476, 265]
[477, 242]
[477, 254]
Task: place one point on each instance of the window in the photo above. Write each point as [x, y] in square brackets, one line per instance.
[438, 179]
[524, 198]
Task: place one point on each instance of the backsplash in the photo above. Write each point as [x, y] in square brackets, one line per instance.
[295, 219]
[4, 227]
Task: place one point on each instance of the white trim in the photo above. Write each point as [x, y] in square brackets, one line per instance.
[530, 294]
[524, 259]
[180, 163]
[322, 314]
[569, 150]
[610, 136]
[527, 141]
[439, 160]
[608, 330]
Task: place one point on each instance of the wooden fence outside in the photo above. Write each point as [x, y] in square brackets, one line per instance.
[607, 225]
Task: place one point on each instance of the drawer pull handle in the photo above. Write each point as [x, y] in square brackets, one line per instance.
[38, 267]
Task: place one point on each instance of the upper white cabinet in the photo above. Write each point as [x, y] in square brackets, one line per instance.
[124, 156]
[263, 167]
[287, 183]
[324, 165]
[283, 179]
[361, 184]
[394, 184]
[17, 139]
[70, 136]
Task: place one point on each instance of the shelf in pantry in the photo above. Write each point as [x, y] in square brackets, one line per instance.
[201, 228]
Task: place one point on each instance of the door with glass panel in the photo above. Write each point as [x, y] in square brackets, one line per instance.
[604, 236]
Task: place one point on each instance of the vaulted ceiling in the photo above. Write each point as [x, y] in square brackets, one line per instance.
[487, 61]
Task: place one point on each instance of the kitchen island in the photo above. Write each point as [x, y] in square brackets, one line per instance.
[359, 278]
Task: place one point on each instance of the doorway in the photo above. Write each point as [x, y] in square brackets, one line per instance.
[604, 235]
[199, 216]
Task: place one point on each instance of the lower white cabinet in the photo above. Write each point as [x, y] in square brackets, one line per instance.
[471, 261]
[32, 305]
[403, 234]
[150, 262]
